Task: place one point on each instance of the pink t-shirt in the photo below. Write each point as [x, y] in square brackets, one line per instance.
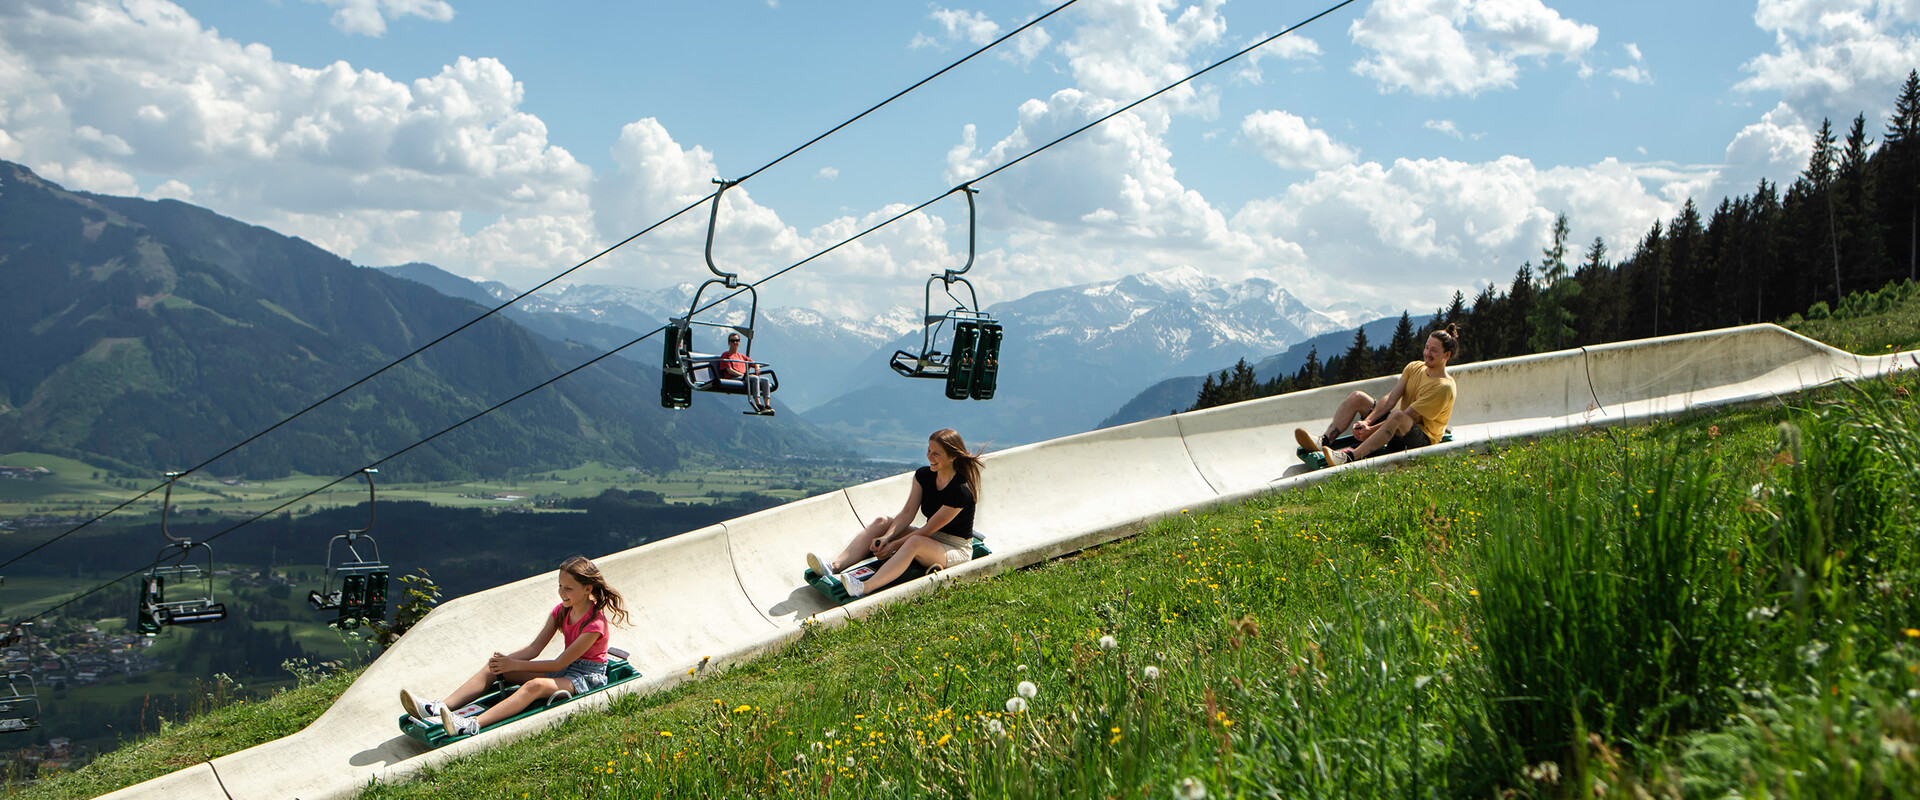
[734, 365]
[596, 652]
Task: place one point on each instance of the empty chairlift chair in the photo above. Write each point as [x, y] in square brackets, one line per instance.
[354, 586]
[176, 565]
[970, 362]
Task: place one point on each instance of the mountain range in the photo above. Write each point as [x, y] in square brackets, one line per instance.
[146, 335]
[1114, 338]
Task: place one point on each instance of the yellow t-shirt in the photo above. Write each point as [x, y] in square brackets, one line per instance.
[1432, 397]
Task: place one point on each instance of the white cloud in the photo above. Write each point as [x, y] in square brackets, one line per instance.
[1835, 58]
[1777, 148]
[377, 169]
[1440, 48]
[369, 17]
[1395, 231]
[973, 27]
[1445, 126]
[1292, 47]
[976, 28]
[827, 173]
[1126, 49]
[1291, 143]
[1632, 73]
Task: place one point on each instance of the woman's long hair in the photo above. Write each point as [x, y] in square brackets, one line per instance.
[605, 599]
[965, 463]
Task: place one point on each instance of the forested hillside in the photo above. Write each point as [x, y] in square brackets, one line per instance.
[151, 335]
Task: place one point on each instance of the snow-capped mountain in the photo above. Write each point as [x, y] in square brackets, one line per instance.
[1073, 355]
[812, 353]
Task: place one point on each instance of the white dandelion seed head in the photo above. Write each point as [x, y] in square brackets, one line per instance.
[817, 747]
[1027, 689]
[1016, 705]
[995, 727]
[1190, 789]
[1152, 672]
[1108, 643]
[1020, 668]
[849, 761]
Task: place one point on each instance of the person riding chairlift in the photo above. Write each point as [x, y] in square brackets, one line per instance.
[735, 365]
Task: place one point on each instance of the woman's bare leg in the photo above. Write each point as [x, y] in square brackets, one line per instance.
[862, 544]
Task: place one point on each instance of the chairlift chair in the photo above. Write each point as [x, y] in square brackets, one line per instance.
[19, 694]
[971, 365]
[684, 371]
[354, 586]
[19, 703]
[153, 611]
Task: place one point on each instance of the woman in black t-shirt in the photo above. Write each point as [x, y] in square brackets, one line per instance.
[944, 492]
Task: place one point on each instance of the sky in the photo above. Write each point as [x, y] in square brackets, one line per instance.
[1389, 154]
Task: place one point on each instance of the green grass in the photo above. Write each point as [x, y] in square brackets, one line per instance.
[1720, 605]
[76, 488]
[1461, 627]
[223, 725]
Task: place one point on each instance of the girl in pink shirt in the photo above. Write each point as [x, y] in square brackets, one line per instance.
[581, 618]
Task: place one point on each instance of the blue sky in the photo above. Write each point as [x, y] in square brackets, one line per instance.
[1390, 154]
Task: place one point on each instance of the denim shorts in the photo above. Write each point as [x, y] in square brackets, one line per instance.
[585, 675]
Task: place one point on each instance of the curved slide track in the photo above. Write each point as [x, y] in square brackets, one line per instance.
[723, 594]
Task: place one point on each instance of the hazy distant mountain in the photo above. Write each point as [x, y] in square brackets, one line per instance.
[1073, 354]
[151, 334]
[1178, 393]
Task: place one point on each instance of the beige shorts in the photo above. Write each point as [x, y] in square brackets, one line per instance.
[959, 551]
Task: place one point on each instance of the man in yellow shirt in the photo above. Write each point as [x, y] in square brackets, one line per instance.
[1414, 414]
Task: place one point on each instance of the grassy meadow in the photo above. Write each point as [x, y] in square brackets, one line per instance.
[1722, 605]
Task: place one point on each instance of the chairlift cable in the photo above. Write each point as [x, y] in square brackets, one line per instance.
[542, 285]
[716, 302]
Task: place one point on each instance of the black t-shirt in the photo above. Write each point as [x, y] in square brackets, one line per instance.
[957, 494]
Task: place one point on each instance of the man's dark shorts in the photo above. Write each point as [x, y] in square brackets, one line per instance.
[1415, 437]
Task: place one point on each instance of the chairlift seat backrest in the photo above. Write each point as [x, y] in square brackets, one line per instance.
[986, 366]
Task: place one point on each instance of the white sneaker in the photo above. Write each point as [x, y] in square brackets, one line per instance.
[855, 587]
[456, 725]
[426, 711]
[1338, 457]
[821, 569]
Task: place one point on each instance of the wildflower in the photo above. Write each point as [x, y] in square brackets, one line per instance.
[743, 709]
[1151, 672]
[1108, 643]
[1912, 633]
[1190, 789]
[944, 738]
[1016, 705]
[1545, 772]
[817, 747]
[1027, 689]
[668, 734]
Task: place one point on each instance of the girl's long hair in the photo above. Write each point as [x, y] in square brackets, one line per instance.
[605, 599]
[965, 463]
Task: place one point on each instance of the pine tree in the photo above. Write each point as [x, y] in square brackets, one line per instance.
[1402, 348]
[1898, 187]
[1861, 249]
[1550, 321]
[1310, 375]
[1358, 363]
[1513, 335]
[1457, 310]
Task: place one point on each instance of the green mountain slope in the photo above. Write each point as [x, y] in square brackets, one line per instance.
[153, 334]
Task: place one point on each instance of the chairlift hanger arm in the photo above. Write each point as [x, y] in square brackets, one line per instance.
[166, 507]
[713, 221]
[972, 216]
[368, 473]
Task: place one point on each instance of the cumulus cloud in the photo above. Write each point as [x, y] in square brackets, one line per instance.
[1291, 143]
[1444, 126]
[1835, 57]
[1436, 225]
[1440, 48]
[352, 159]
[976, 28]
[369, 17]
[1635, 72]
